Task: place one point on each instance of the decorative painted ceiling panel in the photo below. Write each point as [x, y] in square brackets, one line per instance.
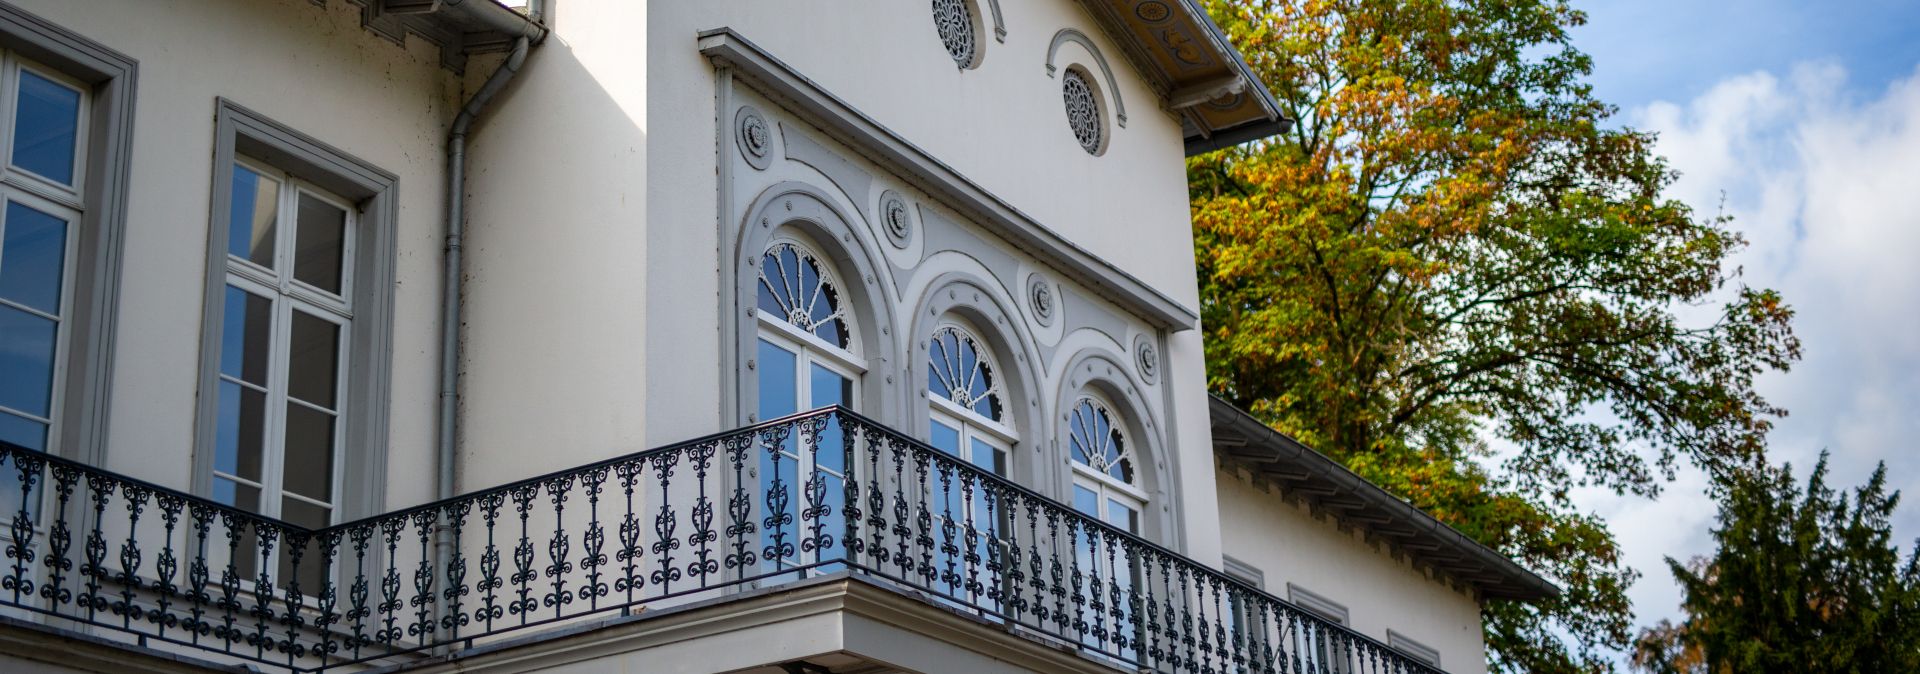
[1189, 60]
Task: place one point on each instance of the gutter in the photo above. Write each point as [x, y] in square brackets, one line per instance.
[493, 15]
[452, 287]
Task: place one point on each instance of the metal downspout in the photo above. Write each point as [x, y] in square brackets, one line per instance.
[452, 289]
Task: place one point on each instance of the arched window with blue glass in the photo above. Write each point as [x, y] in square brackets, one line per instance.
[966, 399]
[807, 357]
[1106, 487]
[969, 420]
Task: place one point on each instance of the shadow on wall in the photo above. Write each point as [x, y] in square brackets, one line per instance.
[551, 372]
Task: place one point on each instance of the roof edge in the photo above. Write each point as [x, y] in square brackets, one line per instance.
[1367, 506]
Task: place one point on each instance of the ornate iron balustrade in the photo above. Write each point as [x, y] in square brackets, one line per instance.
[821, 492]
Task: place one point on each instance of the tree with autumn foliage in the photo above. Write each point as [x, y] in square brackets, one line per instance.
[1457, 275]
[1806, 582]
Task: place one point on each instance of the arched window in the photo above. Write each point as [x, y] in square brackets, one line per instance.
[1104, 475]
[967, 401]
[967, 405]
[1105, 487]
[796, 287]
[807, 357]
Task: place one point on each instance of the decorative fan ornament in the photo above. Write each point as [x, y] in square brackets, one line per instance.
[1096, 440]
[954, 20]
[1083, 112]
[957, 369]
[795, 287]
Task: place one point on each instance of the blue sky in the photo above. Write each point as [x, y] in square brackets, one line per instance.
[1802, 121]
[1675, 50]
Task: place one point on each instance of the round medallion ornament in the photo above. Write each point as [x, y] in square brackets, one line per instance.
[1040, 299]
[954, 20]
[896, 219]
[1152, 10]
[1146, 358]
[754, 137]
[1083, 111]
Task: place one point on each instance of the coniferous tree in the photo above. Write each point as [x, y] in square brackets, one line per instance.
[1802, 581]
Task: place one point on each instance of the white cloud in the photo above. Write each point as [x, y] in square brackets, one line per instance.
[1827, 189]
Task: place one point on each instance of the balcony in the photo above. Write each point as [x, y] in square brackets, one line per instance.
[822, 496]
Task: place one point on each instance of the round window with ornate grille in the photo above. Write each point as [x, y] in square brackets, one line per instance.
[1083, 110]
[954, 19]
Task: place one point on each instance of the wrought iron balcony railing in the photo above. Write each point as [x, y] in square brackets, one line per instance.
[821, 492]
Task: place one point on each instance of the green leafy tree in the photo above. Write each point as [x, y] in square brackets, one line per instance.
[1802, 582]
[1456, 244]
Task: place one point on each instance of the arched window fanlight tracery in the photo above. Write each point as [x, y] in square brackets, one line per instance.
[959, 370]
[796, 287]
[1098, 441]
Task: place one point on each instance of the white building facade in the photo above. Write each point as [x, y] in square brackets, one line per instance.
[609, 335]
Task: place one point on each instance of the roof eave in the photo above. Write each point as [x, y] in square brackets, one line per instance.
[1198, 75]
[1356, 502]
[458, 27]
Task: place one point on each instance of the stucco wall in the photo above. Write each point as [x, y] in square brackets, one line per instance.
[313, 69]
[556, 364]
[1001, 125]
[1289, 545]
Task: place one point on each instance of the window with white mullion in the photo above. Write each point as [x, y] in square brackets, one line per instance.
[37, 244]
[44, 132]
[807, 357]
[42, 143]
[284, 347]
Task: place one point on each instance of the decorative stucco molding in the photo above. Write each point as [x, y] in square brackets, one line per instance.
[755, 67]
[1112, 87]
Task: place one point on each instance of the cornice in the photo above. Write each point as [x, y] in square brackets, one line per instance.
[771, 76]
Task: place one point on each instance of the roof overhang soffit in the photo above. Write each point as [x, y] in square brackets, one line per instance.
[458, 27]
[1305, 475]
[1200, 77]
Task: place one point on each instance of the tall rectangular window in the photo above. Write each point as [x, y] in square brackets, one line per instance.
[42, 201]
[284, 339]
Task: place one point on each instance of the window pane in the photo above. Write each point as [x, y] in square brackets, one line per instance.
[945, 438]
[829, 388]
[312, 571]
[45, 125]
[20, 432]
[252, 216]
[237, 495]
[309, 460]
[1123, 516]
[778, 390]
[242, 431]
[32, 257]
[305, 514]
[319, 240]
[313, 360]
[26, 361]
[989, 457]
[1085, 501]
[245, 336]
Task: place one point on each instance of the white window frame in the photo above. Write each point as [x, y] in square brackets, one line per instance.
[369, 249]
[833, 355]
[287, 295]
[1106, 486]
[1331, 611]
[1419, 652]
[66, 202]
[971, 424]
[63, 322]
[809, 350]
